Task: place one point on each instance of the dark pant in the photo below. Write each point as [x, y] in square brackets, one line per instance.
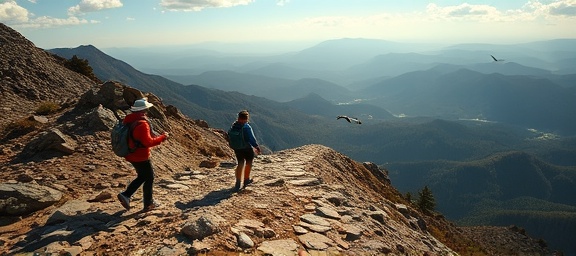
[245, 154]
[244, 157]
[145, 176]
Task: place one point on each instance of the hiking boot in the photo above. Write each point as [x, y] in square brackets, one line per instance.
[237, 186]
[152, 206]
[248, 182]
[124, 200]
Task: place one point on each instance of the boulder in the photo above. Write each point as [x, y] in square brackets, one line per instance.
[202, 226]
[244, 241]
[26, 198]
[51, 140]
[99, 119]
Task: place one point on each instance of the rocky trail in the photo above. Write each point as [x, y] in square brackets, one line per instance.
[296, 203]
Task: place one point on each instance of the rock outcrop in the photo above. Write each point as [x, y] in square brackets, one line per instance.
[26, 198]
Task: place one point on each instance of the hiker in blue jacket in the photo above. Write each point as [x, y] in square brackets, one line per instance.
[245, 154]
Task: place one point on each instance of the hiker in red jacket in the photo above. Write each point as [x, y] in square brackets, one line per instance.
[143, 140]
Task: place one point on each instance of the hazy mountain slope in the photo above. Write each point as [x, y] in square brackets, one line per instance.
[340, 54]
[392, 64]
[216, 107]
[314, 104]
[521, 100]
[30, 75]
[548, 55]
[503, 189]
[107, 68]
[424, 140]
[277, 89]
[395, 64]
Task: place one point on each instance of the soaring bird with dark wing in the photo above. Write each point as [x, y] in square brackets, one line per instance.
[350, 119]
[495, 58]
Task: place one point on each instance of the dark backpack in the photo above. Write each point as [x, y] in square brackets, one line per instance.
[236, 138]
[119, 137]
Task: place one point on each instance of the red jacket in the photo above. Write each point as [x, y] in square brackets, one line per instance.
[142, 133]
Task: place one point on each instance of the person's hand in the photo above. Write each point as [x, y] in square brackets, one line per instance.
[167, 135]
[258, 150]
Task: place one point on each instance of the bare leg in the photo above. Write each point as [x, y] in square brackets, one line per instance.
[247, 170]
[238, 174]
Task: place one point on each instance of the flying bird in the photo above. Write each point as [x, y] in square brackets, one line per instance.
[495, 58]
[350, 119]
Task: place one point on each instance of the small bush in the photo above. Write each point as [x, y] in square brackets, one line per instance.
[18, 128]
[47, 108]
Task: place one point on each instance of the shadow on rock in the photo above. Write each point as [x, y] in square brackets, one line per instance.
[211, 198]
[71, 230]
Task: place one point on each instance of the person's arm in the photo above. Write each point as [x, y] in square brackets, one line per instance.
[252, 138]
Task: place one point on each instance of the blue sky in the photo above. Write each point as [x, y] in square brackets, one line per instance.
[140, 23]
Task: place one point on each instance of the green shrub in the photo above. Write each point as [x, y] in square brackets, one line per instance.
[47, 108]
[81, 66]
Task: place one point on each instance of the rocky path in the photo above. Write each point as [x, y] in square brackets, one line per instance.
[309, 199]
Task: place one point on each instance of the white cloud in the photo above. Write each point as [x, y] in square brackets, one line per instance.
[461, 22]
[93, 6]
[532, 10]
[282, 2]
[563, 8]
[464, 12]
[12, 13]
[198, 5]
[130, 19]
[50, 22]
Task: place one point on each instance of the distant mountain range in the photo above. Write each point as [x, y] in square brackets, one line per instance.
[346, 61]
[278, 89]
[526, 101]
[487, 117]
[530, 88]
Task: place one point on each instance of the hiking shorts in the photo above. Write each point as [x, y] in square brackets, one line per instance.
[245, 154]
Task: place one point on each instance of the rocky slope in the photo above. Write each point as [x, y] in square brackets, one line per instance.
[59, 180]
[31, 75]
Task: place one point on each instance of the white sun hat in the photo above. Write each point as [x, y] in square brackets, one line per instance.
[140, 105]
